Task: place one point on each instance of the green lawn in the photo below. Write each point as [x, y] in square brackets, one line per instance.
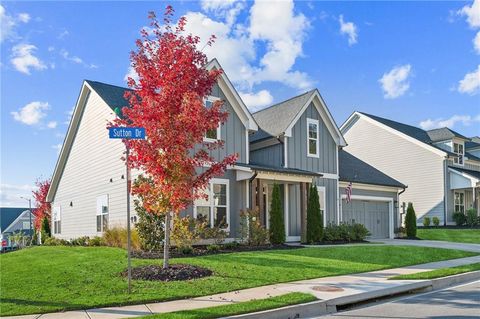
[438, 273]
[47, 279]
[293, 298]
[456, 235]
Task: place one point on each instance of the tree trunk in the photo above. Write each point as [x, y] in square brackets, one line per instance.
[166, 244]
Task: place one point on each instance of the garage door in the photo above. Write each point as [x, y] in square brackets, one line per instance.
[373, 214]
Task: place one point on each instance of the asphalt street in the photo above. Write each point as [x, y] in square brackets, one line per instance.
[458, 302]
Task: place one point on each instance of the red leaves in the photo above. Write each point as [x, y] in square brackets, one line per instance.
[42, 208]
[168, 101]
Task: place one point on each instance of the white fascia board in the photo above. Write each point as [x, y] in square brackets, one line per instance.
[472, 179]
[327, 118]
[405, 136]
[372, 187]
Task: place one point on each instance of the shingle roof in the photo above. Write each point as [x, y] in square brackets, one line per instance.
[352, 169]
[275, 119]
[8, 215]
[475, 174]
[112, 95]
[443, 134]
[471, 144]
[278, 169]
[412, 131]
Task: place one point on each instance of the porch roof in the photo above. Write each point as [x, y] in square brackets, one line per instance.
[469, 172]
[278, 169]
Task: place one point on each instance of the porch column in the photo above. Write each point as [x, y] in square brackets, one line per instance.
[303, 211]
[286, 203]
[474, 198]
[254, 199]
[261, 204]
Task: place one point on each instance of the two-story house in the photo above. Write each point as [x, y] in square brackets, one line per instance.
[441, 167]
[293, 143]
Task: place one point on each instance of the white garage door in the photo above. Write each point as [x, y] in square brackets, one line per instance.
[373, 214]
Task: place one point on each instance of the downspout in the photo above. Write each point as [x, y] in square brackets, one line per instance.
[250, 180]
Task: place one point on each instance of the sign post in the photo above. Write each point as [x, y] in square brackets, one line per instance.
[128, 133]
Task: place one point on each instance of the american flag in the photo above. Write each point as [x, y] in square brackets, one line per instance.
[348, 192]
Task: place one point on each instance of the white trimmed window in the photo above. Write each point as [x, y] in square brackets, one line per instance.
[57, 219]
[102, 213]
[312, 138]
[212, 135]
[459, 200]
[458, 149]
[214, 207]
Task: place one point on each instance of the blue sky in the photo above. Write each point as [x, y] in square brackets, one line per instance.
[414, 62]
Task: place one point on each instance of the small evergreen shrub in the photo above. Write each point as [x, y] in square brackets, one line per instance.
[471, 218]
[459, 218]
[46, 232]
[426, 221]
[213, 248]
[80, 241]
[232, 245]
[345, 232]
[314, 217]
[96, 241]
[411, 222]
[436, 221]
[52, 241]
[277, 225]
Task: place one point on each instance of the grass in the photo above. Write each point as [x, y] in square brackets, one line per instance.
[438, 273]
[471, 236]
[293, 298]
[48, 279]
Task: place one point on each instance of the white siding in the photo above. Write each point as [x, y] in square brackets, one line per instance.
[419, 168]
[94, 159]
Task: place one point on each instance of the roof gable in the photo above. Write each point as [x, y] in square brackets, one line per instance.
[8, 215]
[280, 118]
[443, 134]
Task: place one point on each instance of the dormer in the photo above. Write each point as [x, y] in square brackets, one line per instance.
[450, 141]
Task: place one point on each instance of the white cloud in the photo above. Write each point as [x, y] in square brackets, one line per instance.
[348, 28]
[32, 113]
[75, 59]
[451, 122]
[24, 60]
[63, 34]
[476, 42]
[8, 24]
[52, 124]
[395, 82]
[57, 147]
[255, 101]
[10, 195]
[472, 13]
[24, 17]
[131, 73]
[470, 83]
[276, 28]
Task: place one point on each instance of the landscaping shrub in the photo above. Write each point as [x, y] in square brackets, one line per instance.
[411, 222]
[436, 221]
[426, 221]
[459, 218]
[232, 245]
[277, 225]
[46, 232]
[184, 233]
[252, 231]
[149, 227]
[345, 232]
[471, 218]
[117, 237]
[96, 241]
[80, 241]
[52, 241]
[216, 234]
[314, 217]
[213, 248]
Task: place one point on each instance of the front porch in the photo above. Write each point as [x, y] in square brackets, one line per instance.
[294, 185]
[464, 190]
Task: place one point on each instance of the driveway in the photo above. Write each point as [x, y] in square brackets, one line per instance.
[431, 243]
[461, 301]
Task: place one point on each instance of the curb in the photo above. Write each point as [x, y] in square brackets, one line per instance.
[322, 307]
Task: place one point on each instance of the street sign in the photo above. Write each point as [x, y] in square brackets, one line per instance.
[134, 133]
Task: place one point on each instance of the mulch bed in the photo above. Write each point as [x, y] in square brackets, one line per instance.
[203, 251]
[175, 272]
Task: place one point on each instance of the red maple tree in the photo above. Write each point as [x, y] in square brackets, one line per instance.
[168, 101]
[42, 207]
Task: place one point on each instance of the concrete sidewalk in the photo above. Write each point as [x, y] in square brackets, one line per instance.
[325, 288]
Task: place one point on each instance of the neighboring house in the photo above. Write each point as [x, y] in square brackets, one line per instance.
[441, 167]
[293, 143]
[14, 220]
